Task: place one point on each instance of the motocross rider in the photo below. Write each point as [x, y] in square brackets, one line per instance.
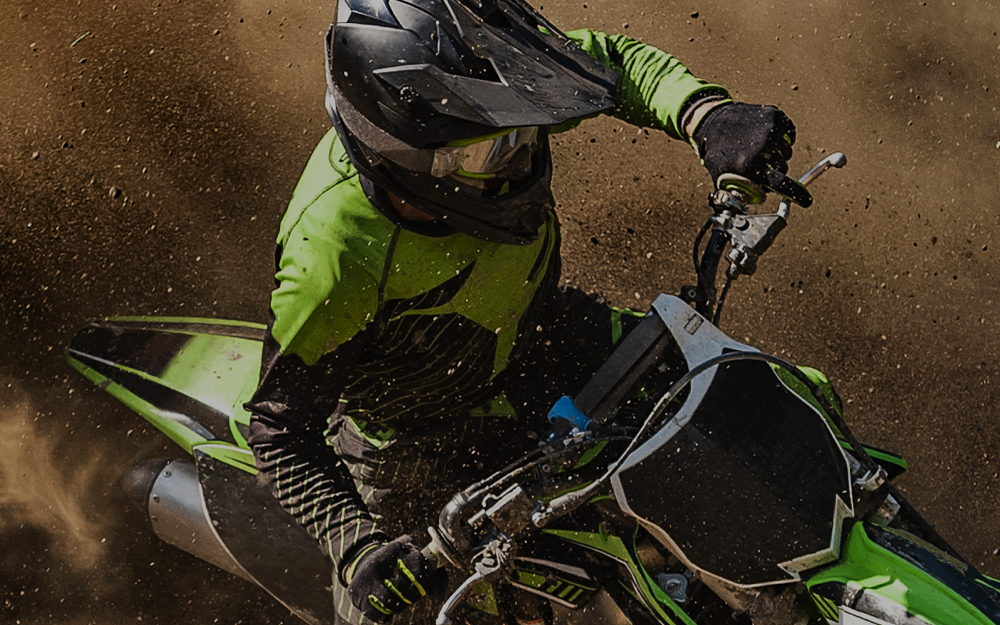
[417, 312]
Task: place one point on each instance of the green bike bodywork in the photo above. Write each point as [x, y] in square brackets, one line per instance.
[190, 377]
[187, 377]
[883, 577]
[896, 576]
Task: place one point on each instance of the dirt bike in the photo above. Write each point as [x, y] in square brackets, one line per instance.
[693, 480]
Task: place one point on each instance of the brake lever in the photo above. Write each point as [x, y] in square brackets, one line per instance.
[837, 159]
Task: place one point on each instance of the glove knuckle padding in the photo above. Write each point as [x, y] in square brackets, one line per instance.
[389, 579]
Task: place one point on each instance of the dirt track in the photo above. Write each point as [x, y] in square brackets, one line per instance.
[149, 148]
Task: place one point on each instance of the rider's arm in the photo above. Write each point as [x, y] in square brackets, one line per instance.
[290, 415]
[326, 295]
[655, 90]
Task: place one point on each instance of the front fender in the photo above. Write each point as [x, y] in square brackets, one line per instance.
[890, 577]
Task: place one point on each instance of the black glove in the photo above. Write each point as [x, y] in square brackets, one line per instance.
[752, 141]
[388, 579]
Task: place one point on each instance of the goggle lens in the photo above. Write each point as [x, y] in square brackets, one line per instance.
[487, 155]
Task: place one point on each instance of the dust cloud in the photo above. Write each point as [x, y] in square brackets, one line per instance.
[71, 553]
[34, 492]
[53, 528]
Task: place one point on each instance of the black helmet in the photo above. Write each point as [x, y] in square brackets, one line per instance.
[447, 104]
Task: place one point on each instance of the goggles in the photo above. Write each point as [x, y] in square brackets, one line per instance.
[480, 157]
[484, 156]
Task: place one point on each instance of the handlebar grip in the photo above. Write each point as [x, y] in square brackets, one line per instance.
[734, 182]
[432, 554]
[777, 182]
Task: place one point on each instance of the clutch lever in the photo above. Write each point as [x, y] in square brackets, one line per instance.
[493, 562]
[751, 235]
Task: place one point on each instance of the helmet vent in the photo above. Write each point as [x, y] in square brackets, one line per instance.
[456, 54]
[368, 12]
[408, 95]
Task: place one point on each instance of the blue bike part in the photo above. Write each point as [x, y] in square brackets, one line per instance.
[566, 409]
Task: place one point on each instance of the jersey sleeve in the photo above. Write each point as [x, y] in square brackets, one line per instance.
[331, 259]
[291, 413]
[330, 263]
[654, 88]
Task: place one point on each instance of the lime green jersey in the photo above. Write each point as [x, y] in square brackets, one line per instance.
[442, 315]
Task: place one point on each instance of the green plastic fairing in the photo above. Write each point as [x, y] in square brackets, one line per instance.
[643, 585]
[188, 377]
[898, 579]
